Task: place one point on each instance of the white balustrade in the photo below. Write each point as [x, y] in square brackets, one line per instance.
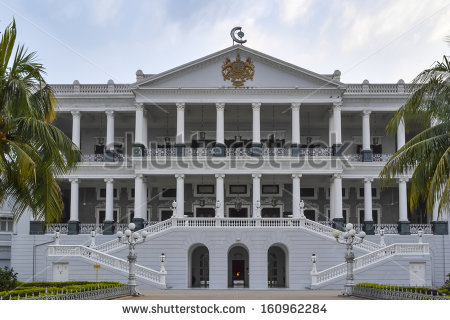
[371, 258]
[107, 260]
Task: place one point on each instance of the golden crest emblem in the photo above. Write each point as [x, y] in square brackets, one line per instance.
[238, 71]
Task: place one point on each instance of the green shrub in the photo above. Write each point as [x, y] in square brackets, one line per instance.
[8, 279]
[52, 288]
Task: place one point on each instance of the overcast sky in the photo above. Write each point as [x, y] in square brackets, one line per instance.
[96, 40]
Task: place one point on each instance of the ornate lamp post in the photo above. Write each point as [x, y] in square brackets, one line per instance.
[349, 238]
[302, 209]
[218, 205]
[131, 239]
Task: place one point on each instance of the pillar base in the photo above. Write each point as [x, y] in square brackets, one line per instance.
[337, 150]
[296, 149]
[339, 223]
[368, 228]
[109, 155]
[219, 150]
[73, 227]
[366, 155]
[256, 149]
[139, 222]
[138, 149]
[108, 227]
[179, 147]
[439, 227]
[403, 228]
[36, 227]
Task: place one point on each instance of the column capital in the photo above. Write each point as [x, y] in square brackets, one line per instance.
[74, 180]
[337, 176]
[368, 179]
[109, 180]
[180, 105]
[295, 105]
[337, 106]
[76, 113]
[138, 176]
[139, 106]
[109, 113]
[296, 175]
[403, 179]
[256, 106]
[179, 176]
[366, 113]
[220, 176]
[220, 106]
[256, 175]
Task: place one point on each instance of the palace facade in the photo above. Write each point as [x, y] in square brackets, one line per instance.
[239, 166]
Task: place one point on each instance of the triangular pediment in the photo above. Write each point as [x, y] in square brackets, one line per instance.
[269, 72]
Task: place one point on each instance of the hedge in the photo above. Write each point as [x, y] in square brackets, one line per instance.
[424, 290]
[51, 288]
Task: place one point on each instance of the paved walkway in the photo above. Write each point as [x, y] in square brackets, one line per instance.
[242, 294]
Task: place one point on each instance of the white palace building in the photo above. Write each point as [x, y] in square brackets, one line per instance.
[239, 166]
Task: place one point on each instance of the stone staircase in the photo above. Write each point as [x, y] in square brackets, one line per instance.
[155, 278]
[339, 271]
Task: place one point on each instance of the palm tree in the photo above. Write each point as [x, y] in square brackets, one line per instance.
[32, 150]
[427, 155]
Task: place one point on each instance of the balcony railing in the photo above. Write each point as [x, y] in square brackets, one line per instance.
[234, 153]
[87, 228]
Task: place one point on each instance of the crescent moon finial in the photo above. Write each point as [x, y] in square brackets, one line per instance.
[240, 34]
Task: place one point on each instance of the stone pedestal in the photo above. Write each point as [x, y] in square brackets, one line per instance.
[296, 150]
[256, 149]
[139, 222]
[366, 155]
[337, 149]
[403, 228]
[73, 227]
[339, 223]
[368, 228]
[219, 150]
[440, 227]
[179, 147]
[108, 227]
[36, 227]
[138, 150]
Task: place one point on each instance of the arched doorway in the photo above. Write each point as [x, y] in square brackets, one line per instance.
[277, 276]
[238, 267]
[199, 267]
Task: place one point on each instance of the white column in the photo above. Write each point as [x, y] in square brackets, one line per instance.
[256, 195]
[76, 115]
[74, 192]
[256, 107]
[180, 123]
[331, 138]
[139, 123]
[144, 129]
[144, 199]
[401, 134]
[332, 197]
[109, 216]
[296, 197]
[220, 195]
[338, 197]
[220, 123]
[366, 129]
[402, 200]
[180, 195]
[337, 122]
[295, 123]
[109, 129]
[368, 200]
[138, 187]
